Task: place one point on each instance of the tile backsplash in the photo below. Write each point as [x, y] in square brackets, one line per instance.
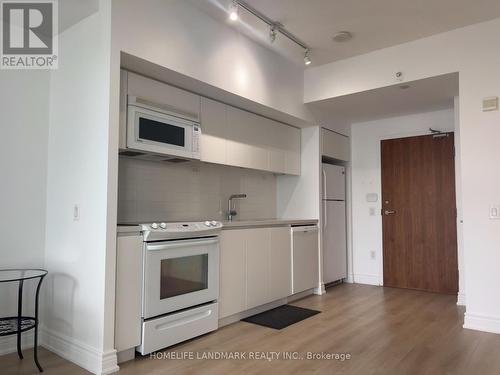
[159, 191]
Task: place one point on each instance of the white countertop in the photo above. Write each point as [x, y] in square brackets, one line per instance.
[266, 223]
[238, 224]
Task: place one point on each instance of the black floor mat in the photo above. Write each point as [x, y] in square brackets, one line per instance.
[281, 317]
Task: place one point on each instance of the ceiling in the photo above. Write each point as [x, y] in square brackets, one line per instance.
[424, 95]
[73, 11]
[375, 24]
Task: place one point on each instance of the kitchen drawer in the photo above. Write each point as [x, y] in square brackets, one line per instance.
[171, 329]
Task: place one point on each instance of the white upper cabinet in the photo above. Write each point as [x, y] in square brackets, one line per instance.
[239, 138]
[163, 96]
[214, 129]
[335, 145]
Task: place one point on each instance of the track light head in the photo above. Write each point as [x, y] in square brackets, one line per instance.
[272, 33]
[307, 59]
[233, 11]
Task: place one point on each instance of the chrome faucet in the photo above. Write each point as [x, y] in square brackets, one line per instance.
[231, 211]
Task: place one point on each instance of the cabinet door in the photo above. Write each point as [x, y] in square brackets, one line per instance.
[166, 97]
[232, 272]
[292, 137]
[276, 142]
[258, 247]
[128, 292]
[245, 132]
[213, 131]
[335, 145]
[280, 263]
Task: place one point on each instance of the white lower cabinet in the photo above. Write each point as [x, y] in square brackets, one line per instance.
[279, 263]
[232, 277]
[128, 291]
[255, 268]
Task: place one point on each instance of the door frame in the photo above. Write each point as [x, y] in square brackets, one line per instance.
[458, 199]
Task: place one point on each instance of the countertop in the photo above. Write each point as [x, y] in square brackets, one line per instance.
[237, 224]
[266, 223]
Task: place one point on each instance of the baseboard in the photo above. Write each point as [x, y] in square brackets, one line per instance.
[350, 278]
[369, 279]
[8, 344]
[320, 290]
[268, 306]
[483, 323]
[80, 353]
[461, 299]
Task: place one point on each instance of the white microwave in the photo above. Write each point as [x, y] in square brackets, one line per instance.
[152, 130]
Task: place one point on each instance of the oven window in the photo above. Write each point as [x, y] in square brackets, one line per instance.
[183, 275]
[161, 132]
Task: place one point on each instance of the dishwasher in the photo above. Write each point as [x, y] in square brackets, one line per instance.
[305, 258]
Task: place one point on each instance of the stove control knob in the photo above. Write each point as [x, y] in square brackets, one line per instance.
[154, 225]
[207, 223]
[213, 223]
[163, 225]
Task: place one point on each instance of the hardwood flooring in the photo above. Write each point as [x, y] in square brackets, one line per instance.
[385, 331]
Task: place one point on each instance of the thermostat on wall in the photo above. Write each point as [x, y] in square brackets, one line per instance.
[372, 197]
[490, 104]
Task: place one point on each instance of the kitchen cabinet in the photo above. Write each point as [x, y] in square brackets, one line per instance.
[213, 141]
[239, 138]
[279, 263]
[128, 291]
[232, 273]
[255, 268]
[168, 98]
[335, 145]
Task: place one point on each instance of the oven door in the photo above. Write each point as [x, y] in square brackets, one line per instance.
[161, 133]
[179, 274]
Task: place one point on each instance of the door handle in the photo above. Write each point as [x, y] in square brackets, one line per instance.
[389, 212]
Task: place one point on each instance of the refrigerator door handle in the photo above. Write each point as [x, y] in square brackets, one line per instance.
[325, 216]
[324, 183]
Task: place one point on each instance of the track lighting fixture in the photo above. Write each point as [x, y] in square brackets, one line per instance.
[274, 26]
[233, 11]
[272, 33]
[307, 59]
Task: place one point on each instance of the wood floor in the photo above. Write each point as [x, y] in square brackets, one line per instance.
[385, 330]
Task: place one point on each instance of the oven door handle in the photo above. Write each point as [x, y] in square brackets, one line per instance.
[178, 244]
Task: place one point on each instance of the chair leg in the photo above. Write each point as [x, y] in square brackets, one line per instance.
[35, 348]
[19, 319]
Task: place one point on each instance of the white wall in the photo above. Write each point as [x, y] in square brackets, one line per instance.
[470, 51]
[78, 174]
[149, 191]
[366, 178]
[298, 196]
[24, 103]
[179, 36]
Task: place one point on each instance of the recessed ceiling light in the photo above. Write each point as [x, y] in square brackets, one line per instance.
[342, 36]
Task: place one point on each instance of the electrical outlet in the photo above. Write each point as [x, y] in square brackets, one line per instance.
[372, 255]
[495, 212]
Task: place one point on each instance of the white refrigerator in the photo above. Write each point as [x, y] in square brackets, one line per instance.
[334, 224]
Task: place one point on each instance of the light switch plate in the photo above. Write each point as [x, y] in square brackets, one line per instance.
[372, 197]
[490, 104]
[495, 212]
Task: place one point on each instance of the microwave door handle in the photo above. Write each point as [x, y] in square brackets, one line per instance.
[177, 244]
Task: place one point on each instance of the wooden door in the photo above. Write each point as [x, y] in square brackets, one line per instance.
[419, 213]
